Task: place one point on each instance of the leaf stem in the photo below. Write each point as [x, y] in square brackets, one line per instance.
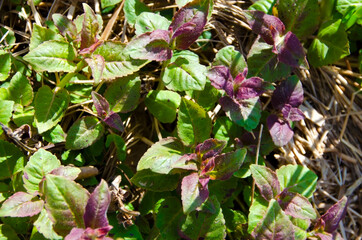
[256, 162]
[69, 76]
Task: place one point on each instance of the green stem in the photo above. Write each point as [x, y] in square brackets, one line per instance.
[69, 76]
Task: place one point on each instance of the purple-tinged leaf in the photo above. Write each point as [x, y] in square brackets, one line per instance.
[65, 26]
[226, 164]
[291, 113]
[275, 224]
[89, 233]
[90, 27]
[209, 148]
[330, 220]
[291, 52]
[329, 236]
[101, 104]
[20, 204]
[186, 162]
[280, 130]
[245, 113]
[114, 120]
[193, 194]
[220, 77]
[95, 215]
[68, 172]
[266, 180]
[251, 87]
[91, 48]
[296, 205]
[189, 22]
[75, 234]
[97, 64]
[151, 46]
[270, 28]
[289, 92]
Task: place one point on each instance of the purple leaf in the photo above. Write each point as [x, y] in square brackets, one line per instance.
[292, 114]
[250, 88]
[95, 215]
[296, 205]
[68, 172]
[266, 180]
[101, 104]
[90, 27]
[91, 48]
[89, 233]
[209, 148]
[20, 204]
[75, 234]
[193, 193]
[280, 130]
[114, 120]
[151, 46]
[65, 26]
[220, 77]
[224, 165]
[291, 52]
[97, 64]
[290, 92]
[189, 22]
[330, 220]
[186, 162]
[270, 28]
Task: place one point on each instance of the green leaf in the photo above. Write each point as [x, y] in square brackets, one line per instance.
[5, 65]
[343, 5]
[161, 156]
[225, 129]
[154, 181]
[234, 220]
[84, 132]
[123, 94]
[168, 218]
[264, 6]
[11, 160]
[230, 58]
[20, 90]
[45, 226]
[266, 180]
[109, 3]
[119, 144]
[301, 16]
[148, 21]
[55, 135]
[7, 232]
[132, 9]
[275, 224]
[79, 92]
[330, 45]
[257, 212]
[39, 165]
[65, 202]
[163, 104]
[90, 27]
[9, 40]
[205, 98]
[42, 34]
[298, 179]
[49, 107]
[6, 107]
[23, 115]
[52, 56]
[193, 125]
[117, 63]
[206, 224]
[184, 72]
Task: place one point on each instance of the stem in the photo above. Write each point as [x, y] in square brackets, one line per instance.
[256, 162]
[69, 76]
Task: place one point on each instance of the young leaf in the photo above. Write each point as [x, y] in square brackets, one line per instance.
[193, 125]
[280, 130]
[5, 65]
[264, 6]
[123, 94]
[266, 180]
[292, 114]
[184, 72]
[343, 5]
[40, 164]
[65, 202]
[20, 204]
[20, 90]
[245, 113]
[188, 23]
[230, 58]
[45, 226]
[114, 121]
[90, 28]
[226, 164]
[330, 220]
[65, 26]
[148, 22]
[275, 224]
[68, 172]
[42, 34]
[161, 156]
[330, 45]
[289, 92]
[52, 56]
[297, 179]
[49, 107]
[95, 215]
[83, 133]
[155, 181]
[193, 193]
[96, 63]
[221, 78]
[132, 9]
[163, 104]
[209, 148]
[296, 205]
[101, 104]
[11, 160]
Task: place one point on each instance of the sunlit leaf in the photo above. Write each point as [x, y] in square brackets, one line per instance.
[65, 26]
[45, 226]
[11, 159]
[296, 205]
[280, 130]
[163, 104]
[132, 9]
[193, 193]
[148, 21]
[42, 34]
[230, 58]
[266, 180]
[97, 64]
[5, 65]
[20, 90]
[20, 204]
[90, 27]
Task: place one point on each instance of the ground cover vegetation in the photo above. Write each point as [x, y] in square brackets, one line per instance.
[70, 163]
